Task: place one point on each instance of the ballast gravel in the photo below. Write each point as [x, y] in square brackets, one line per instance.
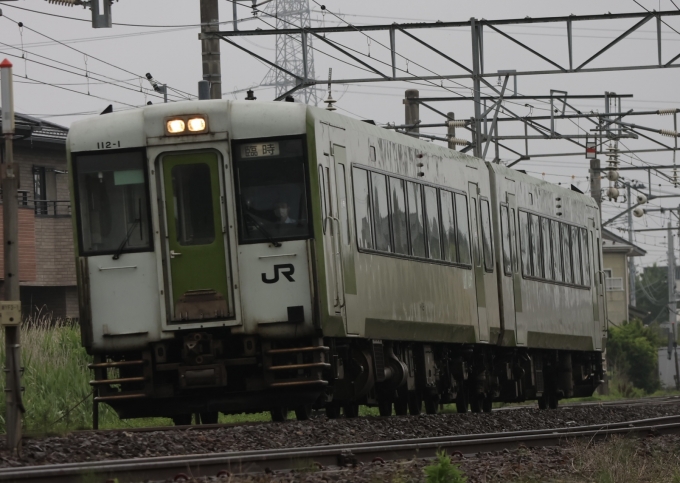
[102, 445]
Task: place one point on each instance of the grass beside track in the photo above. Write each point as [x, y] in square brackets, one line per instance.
[56, 380]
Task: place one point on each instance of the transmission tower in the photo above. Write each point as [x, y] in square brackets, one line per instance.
[289, 53]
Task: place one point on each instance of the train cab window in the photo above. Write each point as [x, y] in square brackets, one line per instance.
[381, 221]
[271, 190]
[547, 255]
[112, 203]
[576, 254]
[324, 198]
[556, 252]
[524, 243]
[487, 244]
[398, 216]
[505, 234]
[448, 226]
[433, 224]
[566, 253]
[462, 227]
[535, 239]
[193, 201]
[362, 208]
[415, 219]
[585, 254]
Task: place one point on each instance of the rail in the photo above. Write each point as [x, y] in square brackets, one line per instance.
[169, 467]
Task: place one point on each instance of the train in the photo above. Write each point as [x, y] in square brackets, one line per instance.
[250, 256]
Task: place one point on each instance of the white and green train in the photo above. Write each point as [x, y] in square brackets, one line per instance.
[240, 256]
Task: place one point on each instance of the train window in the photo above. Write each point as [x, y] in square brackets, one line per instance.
[505, 234]
[342, 201]
[324, 198]
[448, 226]
[556, 252]
[547, 255]
[193, 201]
[576, 254]
[475, 232]
[585, 254]
[487, 244]
[398, 216]
[362, 208]
[416, 219]
[381, 221]
[566, 253]
[513, 241]
[112, 203]
[432, 213]
[535, 239]
[272, 190]
[462, 226]
[524, 243]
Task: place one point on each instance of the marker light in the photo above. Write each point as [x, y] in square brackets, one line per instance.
[196, 124]
[175, 126]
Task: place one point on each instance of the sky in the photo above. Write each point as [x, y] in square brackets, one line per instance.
[66, 71]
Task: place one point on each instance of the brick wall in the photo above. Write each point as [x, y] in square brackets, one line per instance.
[54, 252]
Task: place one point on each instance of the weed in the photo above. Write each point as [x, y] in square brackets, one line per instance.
[443, 471]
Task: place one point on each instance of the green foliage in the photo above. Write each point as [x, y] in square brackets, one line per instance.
[632, 351]
[651, 293]
[443, 471]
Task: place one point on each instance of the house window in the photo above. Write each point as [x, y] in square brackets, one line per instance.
[39, 190]
[612, 284]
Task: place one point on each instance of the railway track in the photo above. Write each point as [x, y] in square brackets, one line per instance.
[173, 467]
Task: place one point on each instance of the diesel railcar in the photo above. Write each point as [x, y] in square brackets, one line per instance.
[242, 256]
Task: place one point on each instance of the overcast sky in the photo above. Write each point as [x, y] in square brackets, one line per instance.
[166, 45]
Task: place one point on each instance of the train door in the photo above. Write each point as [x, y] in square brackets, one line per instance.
[198, 270]
[478, 262]
[516, 300]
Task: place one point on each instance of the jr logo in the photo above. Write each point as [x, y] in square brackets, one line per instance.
[287, 270]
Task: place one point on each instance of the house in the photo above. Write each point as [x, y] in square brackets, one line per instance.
[616, 252]
[46, 257]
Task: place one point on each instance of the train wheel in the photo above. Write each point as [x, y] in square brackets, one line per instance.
[462, 401]
[182, 420]
[476, 403]
[302, 413]
[401, 407]
[351, 410]
[552, 400]
[431, 405]
[332, 411]
[542, 403]
[279, 414]
[415, 403]
[487, 405]
[209, 417]
[385, 408]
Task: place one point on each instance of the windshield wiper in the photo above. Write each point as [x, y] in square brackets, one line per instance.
[266, 234]
[118, 252]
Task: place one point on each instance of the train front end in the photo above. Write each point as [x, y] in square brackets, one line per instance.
[193, 229]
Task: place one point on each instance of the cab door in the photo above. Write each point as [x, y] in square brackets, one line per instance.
[195, 237]
[478, 263]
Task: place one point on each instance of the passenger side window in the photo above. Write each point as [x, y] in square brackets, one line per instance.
[585, 254]
[505, 234]
[524, 247]
[416, 219]
[432, 213]
[398, 216]
[487, 244]
[462, 227]
[547, 259]
[324, 199]
[475, 232]
[576, 254]
[513, 241]
[448, 226]
[535, 233]
[556, 253]
[362, 209]
[566, 253]
[381, 220]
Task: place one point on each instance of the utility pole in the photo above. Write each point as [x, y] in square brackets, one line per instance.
[212, 69]
[451, 130]
[672, 306]
[412, 110]
[596, 183]
[631, 262]
[10, 309]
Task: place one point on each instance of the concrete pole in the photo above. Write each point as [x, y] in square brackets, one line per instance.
[476, 88]
[672, 305]
[451, 131]
[631, 262]
[10, 208]
[212, 69]
[596, 183]
[412, 109]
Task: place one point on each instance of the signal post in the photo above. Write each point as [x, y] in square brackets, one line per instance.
[10, 308]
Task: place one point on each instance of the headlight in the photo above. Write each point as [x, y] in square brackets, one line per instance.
[196, 124]
[175, 126]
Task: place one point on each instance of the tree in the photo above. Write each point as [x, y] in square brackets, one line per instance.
[632, 349]
[651, 293]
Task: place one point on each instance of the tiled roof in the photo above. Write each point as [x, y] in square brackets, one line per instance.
[38, 129]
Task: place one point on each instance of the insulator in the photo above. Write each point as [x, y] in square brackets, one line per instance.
[457, 141]
[668, 132]
[612, 175]
[641, 199]
[456, 123]
[68, 3]
[612, 193]
[638, 212]
[330, 101]
[667, 112]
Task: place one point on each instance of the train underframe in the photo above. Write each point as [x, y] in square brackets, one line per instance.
[205, 373]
